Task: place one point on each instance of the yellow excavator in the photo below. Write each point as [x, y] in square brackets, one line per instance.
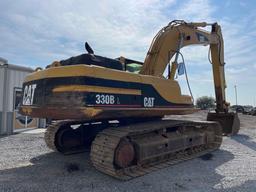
[115, 107]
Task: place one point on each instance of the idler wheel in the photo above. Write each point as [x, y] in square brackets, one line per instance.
[67, 138]
[124, 154]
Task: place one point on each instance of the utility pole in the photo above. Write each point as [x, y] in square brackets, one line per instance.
[235, 93]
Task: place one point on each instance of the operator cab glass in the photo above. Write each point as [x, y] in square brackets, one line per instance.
[133, 67]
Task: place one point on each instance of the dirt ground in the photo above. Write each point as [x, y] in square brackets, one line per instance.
[26, 164]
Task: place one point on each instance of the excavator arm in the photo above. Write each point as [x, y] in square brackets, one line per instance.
[167, 44]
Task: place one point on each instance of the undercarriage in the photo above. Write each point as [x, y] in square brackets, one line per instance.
[125, 150]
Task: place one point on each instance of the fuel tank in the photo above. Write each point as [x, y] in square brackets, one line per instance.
[92, 92]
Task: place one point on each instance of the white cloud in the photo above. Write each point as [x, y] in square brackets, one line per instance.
[236, 70]
[38, 32]
[197, 10]
[60, 29]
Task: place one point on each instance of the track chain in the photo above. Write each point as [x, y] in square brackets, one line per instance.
[103, 148]
[49, 135]
[51, 131]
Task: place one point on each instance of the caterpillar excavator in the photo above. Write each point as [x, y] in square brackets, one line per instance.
[116, 107]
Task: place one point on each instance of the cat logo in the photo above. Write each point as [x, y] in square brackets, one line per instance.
[149, 101]
[28, 95]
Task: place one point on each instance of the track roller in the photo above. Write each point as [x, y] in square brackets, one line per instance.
[131, 151]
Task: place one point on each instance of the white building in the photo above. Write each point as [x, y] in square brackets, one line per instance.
[11, 79]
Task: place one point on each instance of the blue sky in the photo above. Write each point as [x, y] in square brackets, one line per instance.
[35, 33]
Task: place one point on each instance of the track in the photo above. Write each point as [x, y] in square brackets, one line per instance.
[61, 137]
[104, 147]
[145, 147]
[49, 135]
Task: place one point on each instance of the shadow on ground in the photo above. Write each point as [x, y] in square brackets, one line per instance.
[55, 172]
[245, 140]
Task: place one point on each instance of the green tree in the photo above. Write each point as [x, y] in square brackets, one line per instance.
[205, 102]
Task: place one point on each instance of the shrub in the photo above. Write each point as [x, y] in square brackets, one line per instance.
[205, 102]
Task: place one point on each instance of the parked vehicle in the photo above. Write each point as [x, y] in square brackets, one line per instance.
[237, 108]
[252, 111]
[247, 109]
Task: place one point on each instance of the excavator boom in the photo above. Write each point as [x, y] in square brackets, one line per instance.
[167, 44]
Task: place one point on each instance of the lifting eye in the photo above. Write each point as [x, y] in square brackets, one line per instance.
[188, 38]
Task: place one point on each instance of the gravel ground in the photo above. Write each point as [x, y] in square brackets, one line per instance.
[26, 164]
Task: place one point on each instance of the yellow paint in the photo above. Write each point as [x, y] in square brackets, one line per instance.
[88, 88]
[168, 89]
[26, 110]
[91, 112]
[83, 70]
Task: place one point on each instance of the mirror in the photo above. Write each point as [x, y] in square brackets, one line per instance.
[181, 69]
